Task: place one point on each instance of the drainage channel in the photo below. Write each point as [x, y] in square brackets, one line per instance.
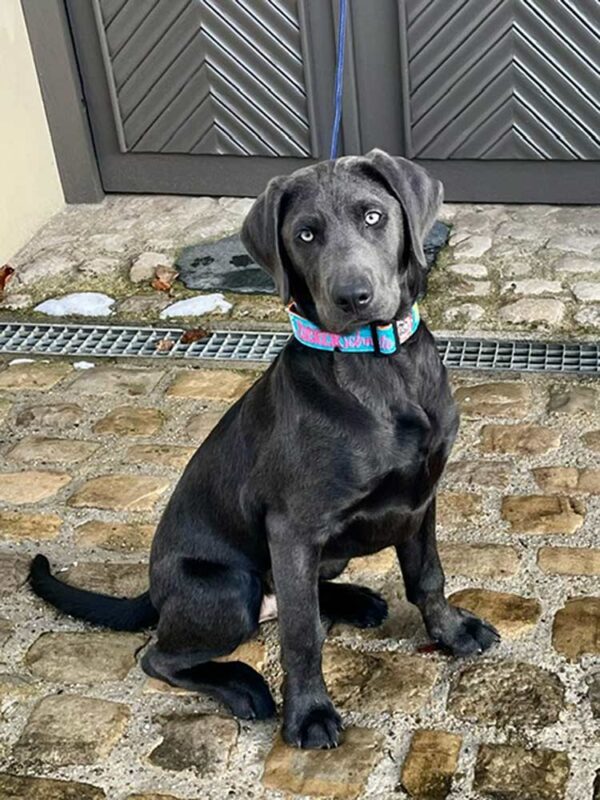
[99, 341]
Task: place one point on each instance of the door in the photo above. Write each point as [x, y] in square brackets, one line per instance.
[498, 98]
[204, 96]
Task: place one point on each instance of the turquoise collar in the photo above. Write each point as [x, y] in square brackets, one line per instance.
[383, 340]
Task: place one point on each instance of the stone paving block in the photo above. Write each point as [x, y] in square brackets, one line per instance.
[6, 630]
[130, 421]
[152, 796]
[594, 695]
[16, 688]
[589, 480]
[556, 479]
[457, 509]
[572, 399]
[479, 560]
[36, 376]
[70, 729]
[507, 694]
[543, 514]
[375, 564]
[339, 773]
[200, 425]
[119, 579]
[544, 310]
[478, 473]
[120, 492]
[160, 455]
[15, 526]
[511, 614]
[592, 440]
[13, 572]
[495, 399]
[31, 486]
[119, 536]
[512, 772]
[56, 416]
[209, 384]
[377, 682]
[5, 406]
[117, 380]
[569, 560]
[46, 449]
[94, 657]
[522, 439]
[200, 742]
[576, 628]
[430, 764]
[18, 787]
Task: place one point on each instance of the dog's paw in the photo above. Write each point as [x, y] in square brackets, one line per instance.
[353, 605]
[464, 634]
[317, 729]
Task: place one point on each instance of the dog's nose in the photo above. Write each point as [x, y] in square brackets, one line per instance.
[354, 298]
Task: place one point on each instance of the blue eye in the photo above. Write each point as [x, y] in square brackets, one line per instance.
[306, 235]
[372, 217]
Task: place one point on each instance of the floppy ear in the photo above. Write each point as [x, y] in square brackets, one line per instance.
[419, 194]
[260, 234]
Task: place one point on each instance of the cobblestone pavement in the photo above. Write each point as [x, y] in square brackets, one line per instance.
[519, 268]
[88, 460]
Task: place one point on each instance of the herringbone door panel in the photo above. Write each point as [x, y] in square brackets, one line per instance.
[205, 76]
[503, 79]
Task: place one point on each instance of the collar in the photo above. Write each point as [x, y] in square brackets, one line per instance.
[383, 340]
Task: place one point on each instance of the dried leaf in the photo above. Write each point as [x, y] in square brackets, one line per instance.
[6, 273]
[194, 335]
[164, 278]
[160, 286]
[164, 345]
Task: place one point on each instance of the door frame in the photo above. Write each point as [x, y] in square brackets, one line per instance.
[62, 94]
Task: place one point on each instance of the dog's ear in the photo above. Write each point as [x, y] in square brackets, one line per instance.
[419, 194]
[261, 234]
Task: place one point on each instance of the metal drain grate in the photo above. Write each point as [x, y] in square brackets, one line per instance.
[118, 342]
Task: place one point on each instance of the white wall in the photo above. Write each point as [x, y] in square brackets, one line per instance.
[30, 190]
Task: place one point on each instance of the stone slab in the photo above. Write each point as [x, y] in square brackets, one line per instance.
[90, 657]
[120, 492]
[68, 729]
[340, 773]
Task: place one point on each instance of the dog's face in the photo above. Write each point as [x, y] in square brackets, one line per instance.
[344, 238]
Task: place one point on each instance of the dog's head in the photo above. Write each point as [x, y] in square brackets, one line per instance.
[344, 238]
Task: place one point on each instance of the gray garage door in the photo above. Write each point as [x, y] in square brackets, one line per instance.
[500, 98]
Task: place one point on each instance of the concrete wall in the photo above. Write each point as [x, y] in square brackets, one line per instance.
[30, 190]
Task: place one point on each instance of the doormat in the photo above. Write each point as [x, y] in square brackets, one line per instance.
[224, 265]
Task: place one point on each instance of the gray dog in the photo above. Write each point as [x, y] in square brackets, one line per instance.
[335, 452]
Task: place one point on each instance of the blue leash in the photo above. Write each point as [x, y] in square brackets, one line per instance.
[339, 80]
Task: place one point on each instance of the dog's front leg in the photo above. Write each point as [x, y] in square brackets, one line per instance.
[309, 717]
[455, 629]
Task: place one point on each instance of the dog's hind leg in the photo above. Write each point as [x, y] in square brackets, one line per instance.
[214, 609]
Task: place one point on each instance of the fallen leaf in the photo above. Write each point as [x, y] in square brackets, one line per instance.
[164, 345]
[6, 274]
[164, 278]
[194, 335]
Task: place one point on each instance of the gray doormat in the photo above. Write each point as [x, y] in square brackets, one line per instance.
[224, 265]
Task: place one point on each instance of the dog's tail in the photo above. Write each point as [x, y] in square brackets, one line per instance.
[120, 614]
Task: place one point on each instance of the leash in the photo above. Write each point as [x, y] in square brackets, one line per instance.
[339, 79]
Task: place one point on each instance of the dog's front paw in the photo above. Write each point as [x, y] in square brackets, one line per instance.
[317, 729]
[464, 634]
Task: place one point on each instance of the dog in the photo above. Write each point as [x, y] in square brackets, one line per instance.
[333, 453]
